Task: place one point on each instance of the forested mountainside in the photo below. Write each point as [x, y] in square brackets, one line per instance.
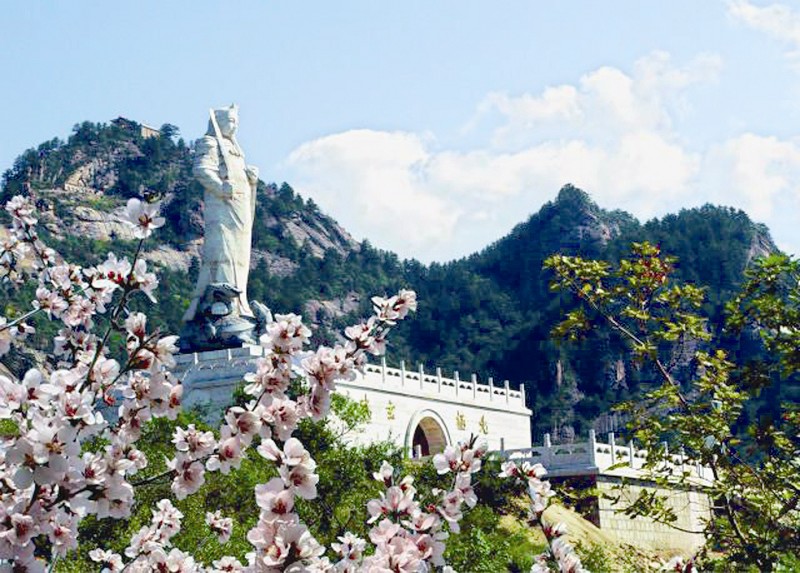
[489, 313]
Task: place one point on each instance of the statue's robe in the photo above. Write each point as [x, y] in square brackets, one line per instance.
[228, 220]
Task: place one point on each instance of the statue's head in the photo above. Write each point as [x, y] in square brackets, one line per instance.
[227, 119]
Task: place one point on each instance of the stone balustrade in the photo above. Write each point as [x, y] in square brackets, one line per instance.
[593, 457]
[210, 377]
[404, 380]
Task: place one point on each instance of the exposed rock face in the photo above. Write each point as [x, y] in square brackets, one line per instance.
[95, 175]
[276, 264]
[319, 311]
[83, 213]
[87, 213]
[95, 224]
[593, 229]
[99, 173]
[175, 259]
[317, 237]
[587, 223]
[761, 245]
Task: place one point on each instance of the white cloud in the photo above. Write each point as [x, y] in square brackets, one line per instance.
[555, 103]
[605, 103]
[373, 182]
[613, 133]
[776, 20]
[760, 174]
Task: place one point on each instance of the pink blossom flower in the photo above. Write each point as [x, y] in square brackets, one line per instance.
[23, 529]
[143, 217]
[114, 270]
[447, 461]
[21, 209]
[450, 509]
[263, 534]
[533, 470]
[145, 281]
[385, 473]
[244, 423]
[269, 450]
[229, 453]
[508, 469]
[5, 337]
[286, 333]
[194, 443]
[283, 416]
[116, 498]
[383, 532]
[166, 520]
[227, 565]
[540, 494]
[12, 396]
[421, 521]
[350, 550]
[144, 541]
[300, 479]
[406, 301]
[189, 475]
[165, 351]
[272, 376]
[222, 527]
[362, 334]
[50, 302]
[327, 365]
[464, 487]
[112, 562]
[274, 499]
[297, 536]
[392, 309]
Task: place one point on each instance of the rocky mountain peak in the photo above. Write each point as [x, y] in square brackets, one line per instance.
[570, 196]
[582, 222]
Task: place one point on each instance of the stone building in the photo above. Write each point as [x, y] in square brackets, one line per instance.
[144, 130]
[419, 411]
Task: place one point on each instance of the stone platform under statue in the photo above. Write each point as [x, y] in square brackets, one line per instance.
[210, 378]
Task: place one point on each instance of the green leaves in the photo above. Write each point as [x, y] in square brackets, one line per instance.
[637, 299]
[756, 519]
[8, 428]
[573, 326]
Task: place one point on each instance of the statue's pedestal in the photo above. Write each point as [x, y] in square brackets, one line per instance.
[209, 378]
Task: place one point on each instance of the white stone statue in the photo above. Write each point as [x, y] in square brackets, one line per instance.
[219, 314]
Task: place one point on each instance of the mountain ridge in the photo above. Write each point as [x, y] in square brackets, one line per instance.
[490, 312]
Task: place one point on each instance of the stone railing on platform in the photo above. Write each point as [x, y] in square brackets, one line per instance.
[598, 458]
[435, 385]
[210, 377]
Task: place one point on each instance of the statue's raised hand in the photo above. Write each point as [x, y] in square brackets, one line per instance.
[252, 174]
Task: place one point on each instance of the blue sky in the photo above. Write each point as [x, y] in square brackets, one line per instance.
[432, 128]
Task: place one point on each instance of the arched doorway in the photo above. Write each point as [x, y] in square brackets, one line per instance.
[427, 434]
